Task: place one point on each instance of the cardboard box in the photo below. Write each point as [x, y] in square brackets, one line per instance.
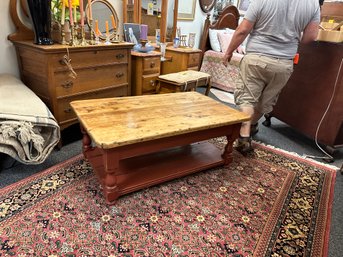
[329, 35]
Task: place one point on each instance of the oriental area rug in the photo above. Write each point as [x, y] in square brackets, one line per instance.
[269, 203]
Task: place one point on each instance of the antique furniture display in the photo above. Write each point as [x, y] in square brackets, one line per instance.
[223, 76]
[183, 81]
[61, 73]
[145, 70]
[181, 59]
[129, 152]
[312, 100]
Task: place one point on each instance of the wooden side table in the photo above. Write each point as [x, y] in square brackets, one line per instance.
[145, 70]
[183, 81]
[181, 59]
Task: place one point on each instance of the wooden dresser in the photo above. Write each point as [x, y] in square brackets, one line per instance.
[181, 59]
[101, 71]
[145, 70]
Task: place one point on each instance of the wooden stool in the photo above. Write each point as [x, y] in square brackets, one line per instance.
[183, 81]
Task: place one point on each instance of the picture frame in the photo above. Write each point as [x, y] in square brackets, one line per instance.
[242, 6]
[186, 10]
[136, 32]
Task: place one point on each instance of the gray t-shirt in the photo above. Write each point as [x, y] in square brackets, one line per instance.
[278, 25]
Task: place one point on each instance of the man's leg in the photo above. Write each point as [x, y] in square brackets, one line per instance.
[245, 128]
[243, 143]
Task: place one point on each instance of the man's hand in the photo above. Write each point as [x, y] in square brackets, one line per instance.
[227, 58]
[242, 31]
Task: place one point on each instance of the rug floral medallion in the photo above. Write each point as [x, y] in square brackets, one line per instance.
[269, 203]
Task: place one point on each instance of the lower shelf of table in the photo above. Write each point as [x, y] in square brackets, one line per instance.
[146, 170]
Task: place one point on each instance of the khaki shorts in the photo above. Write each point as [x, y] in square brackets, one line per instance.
[262, 79]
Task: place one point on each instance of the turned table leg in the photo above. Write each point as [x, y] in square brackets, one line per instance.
[227, 154]
[228, 149]
[86, 140]
[106, 168]
[111, 169]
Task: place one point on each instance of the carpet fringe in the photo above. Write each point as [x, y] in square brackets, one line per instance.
[298, 155]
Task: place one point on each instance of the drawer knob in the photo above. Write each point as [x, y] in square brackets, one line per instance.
[67, 110]
[119, 56]
[152, 65]
[67, 84]
[152, 83]
[119, 75]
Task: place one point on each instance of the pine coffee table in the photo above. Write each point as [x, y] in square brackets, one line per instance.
[138, 141]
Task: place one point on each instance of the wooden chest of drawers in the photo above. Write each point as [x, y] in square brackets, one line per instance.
[145, 70]
[181, 59]
[100, 71]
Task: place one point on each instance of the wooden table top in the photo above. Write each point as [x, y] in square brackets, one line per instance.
[113, 122]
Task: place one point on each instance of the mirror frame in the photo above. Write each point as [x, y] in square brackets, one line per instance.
[207, 5]
[22, 31]
[137, 16]
[112, 10]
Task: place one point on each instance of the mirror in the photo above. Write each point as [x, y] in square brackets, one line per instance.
[103, 17]
[155, 14]
[151, 16]
[24, 9]
[171, 23]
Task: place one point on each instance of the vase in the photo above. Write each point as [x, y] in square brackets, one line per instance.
[163, 47]
[40, 13]
[191, 40]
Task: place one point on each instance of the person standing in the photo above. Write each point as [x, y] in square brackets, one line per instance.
[275, 29]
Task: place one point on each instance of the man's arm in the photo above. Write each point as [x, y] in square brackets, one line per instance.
[310, 33]
[242, 31]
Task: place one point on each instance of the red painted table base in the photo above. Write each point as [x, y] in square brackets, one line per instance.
[129, 168]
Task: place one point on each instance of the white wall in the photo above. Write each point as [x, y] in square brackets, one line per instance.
[8, 59]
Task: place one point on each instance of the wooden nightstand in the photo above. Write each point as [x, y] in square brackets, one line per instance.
[145, 70]
[181, 59]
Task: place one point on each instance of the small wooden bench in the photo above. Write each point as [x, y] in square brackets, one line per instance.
[183, 81]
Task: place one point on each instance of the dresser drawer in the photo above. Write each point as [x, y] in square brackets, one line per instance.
[90, 58]
[149, 83]
[90, 79]
[193, 59]
[64, 112]
[151, 65]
